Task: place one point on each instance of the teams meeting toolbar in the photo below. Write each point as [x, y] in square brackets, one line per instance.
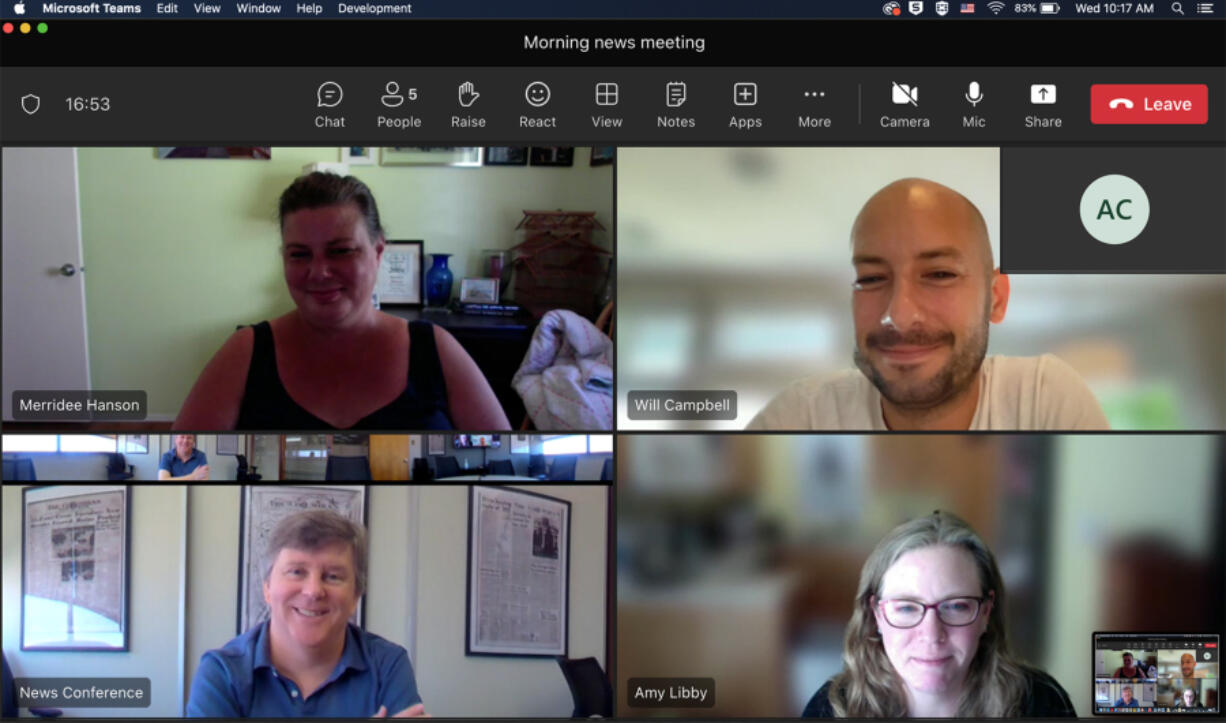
[616, 104]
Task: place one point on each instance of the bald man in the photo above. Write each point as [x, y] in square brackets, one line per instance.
[1187, 667]
[926, 289]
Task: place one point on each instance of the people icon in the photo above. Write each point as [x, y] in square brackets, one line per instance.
[392, 97]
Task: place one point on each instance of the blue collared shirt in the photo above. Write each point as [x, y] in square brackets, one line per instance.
[177, 467]
[239, 681]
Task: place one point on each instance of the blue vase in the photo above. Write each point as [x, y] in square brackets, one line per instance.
[438, 281]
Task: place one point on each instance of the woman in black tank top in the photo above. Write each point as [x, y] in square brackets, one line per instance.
[332, 243]
[422, 405]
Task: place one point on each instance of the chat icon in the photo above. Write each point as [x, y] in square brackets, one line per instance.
[329, 95]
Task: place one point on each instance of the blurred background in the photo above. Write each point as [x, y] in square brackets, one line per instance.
[738, 556]
[734, 272]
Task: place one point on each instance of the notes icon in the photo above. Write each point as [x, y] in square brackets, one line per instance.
[674, 94]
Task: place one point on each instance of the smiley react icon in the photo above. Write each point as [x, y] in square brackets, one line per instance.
[537, 94]
[329, 95]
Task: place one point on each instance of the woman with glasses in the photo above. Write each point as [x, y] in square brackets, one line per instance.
[928, 639]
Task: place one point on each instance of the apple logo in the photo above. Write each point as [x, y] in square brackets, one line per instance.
[19, 8]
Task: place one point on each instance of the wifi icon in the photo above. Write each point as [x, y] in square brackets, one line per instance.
[996, 6]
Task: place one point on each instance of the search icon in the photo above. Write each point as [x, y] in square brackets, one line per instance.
[1177, 7]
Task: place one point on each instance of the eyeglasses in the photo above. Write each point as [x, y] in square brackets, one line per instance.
[955, 611]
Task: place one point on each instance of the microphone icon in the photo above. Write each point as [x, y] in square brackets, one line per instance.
[973, 94]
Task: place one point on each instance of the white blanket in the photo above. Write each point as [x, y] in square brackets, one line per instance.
[565, 379]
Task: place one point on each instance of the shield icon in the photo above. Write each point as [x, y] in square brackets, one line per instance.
[30, 103]
[942, 8]
[916, 6]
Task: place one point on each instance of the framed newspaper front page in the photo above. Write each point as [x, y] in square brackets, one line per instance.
[263, 506]
[76, 543]
[518, 573]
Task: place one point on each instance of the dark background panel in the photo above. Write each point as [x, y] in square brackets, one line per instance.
[1041, 229]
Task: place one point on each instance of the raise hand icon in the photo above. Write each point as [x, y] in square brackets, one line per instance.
[468, 94]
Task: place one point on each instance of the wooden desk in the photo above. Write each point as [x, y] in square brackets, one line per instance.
[496, 343]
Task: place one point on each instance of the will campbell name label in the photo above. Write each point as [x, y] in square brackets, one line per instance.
[678, 404]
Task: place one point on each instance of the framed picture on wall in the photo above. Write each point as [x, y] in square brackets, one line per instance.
[430, 156]
[518, 596]
[359, 155]
[552, 156]
[263, 506]
[602, 155]
[227, 444]
[506, 156]
[75, 547]
[257, 153]
[436, 444]
[136, 444]
[400, 274]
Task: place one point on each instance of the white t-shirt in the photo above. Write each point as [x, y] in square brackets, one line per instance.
[1014, 393]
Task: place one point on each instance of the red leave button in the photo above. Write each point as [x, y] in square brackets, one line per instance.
[1149, 104]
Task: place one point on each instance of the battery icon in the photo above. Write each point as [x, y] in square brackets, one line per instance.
[1049, 8]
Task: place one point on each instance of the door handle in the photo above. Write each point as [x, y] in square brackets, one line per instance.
[70, 270]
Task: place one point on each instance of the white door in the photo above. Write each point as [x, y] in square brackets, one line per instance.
[44, 290]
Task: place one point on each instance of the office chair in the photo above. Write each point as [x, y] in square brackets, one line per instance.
[347, 468]
[117, 467]
[503, 467]
[18, 469]
[536, 466]
[245, 473]
[589, 686]
[563, 468]
[606, 472]
[10, 697]
[421, 470]
[446, 467]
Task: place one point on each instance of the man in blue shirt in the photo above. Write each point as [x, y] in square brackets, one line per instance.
[307, 659]
[184, 462]
[1126, 700]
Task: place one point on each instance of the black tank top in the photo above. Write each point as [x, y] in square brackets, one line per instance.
[423, 404]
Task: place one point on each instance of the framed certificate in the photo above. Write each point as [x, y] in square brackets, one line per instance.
[400, 274]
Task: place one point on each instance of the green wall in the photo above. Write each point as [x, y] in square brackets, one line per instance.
[1108, 489]
[180, 252]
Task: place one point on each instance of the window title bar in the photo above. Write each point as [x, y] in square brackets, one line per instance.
[616, 43]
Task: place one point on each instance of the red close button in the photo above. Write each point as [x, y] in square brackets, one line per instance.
[1149, 104]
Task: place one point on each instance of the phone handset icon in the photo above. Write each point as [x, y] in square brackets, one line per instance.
[1116, 103]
